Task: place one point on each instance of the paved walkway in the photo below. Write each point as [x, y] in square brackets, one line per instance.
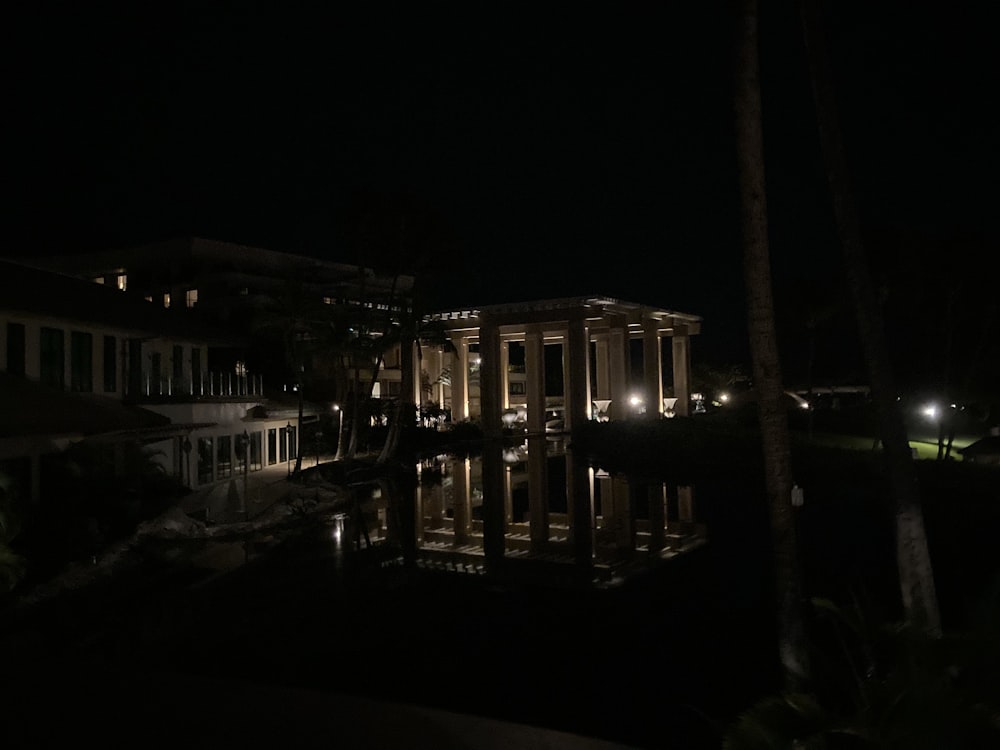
[243, 497]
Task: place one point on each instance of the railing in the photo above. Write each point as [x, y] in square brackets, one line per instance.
[207, 384]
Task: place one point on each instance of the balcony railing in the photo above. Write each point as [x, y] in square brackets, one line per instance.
[206, 385]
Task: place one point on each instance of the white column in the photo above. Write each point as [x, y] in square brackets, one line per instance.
[682, 370]
[505, 373]
[460, 380]
[418, 389]
[652, 368]
[603, 366]
[576, 402]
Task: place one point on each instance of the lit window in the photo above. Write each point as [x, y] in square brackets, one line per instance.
[241, 368]
[148, 298]
[99, 280]
[191, 297]
[328, 300]
[121, 280]
[166, 299]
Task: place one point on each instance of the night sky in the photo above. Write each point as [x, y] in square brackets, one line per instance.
[577, 149]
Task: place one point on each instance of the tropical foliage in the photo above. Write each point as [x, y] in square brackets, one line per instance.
[12, 565]
[884, 685]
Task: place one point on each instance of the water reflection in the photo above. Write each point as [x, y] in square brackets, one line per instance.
[520, 511]
[532, 511]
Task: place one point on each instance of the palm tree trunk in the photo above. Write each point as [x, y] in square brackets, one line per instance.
[764, 351]
[916, 575]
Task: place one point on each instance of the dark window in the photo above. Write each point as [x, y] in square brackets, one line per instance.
[255, 458]
[15, 348]
[204, 460]
[52, 354]
[135, 374]
[81, 362]
[110, 364]
[517, 388]
[178, 364]
[155, 372]
[224, 457]
[241, 452]
[393, 387]
[272, 446]
[196, 370]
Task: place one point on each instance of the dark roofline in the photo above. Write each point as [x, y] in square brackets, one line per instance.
[247, 258]
[32, 409]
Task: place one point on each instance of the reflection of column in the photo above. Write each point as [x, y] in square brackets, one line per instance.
[685, 504]
[460, 380]
[493, 505]
[435, 507]
[508, 498]
[624, 536]
[581, 509]
[418, 514]
[618, 366]
[461, 502]
[657, 494]
[682, 370]
[576, 403]
[534, 372]
[652, 368]
[602, 481]
[538, 497]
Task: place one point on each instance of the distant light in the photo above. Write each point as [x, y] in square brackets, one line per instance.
[634, 400]
[724, 398]
[804, 404]
[930, 411]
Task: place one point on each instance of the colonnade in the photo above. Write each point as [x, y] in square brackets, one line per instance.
[595, 335]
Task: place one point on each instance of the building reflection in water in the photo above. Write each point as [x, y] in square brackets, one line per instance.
[533, 512]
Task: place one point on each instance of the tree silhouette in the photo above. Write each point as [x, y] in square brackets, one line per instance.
[766, 362]
[916, 575]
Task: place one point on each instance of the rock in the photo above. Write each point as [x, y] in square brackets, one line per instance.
[173, 522]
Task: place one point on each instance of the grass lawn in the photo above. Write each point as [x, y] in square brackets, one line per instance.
[925, 449]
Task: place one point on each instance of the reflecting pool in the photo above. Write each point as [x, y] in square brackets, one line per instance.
[527, 510]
